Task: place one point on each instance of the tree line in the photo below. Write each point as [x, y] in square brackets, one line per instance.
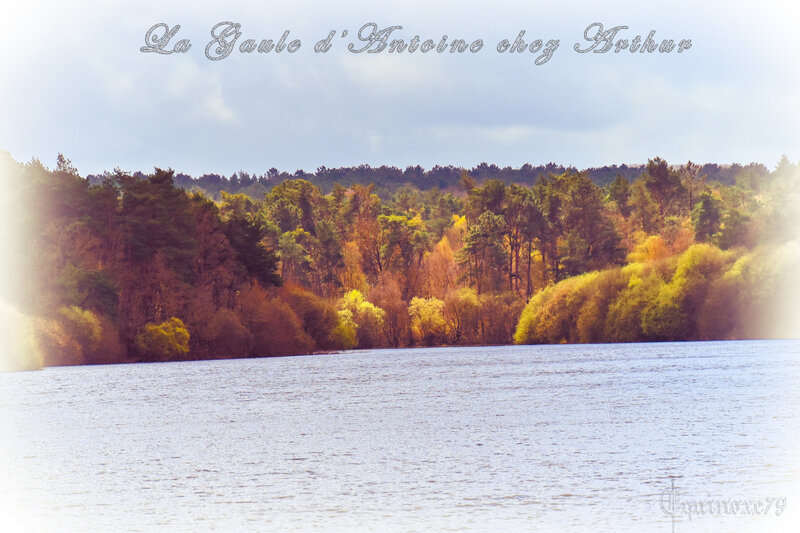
[388, 179]
[133, 267]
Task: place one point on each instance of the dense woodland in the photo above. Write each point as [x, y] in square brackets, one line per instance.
[132, 267]
[387, 179]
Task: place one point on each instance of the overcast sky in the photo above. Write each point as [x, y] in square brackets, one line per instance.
[74, 81]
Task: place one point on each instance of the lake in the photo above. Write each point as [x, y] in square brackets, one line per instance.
[630, 437]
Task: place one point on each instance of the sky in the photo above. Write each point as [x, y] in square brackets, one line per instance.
[74, 81]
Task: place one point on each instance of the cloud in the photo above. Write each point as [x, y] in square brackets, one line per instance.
[214, 107]
[79, 85]
[390, 76]
[197, 93]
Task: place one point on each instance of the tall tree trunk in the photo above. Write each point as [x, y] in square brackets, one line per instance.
[529, 288]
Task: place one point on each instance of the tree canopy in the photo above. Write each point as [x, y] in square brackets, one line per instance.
[134, 267]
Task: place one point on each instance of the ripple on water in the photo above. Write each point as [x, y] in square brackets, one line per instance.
[546, 437]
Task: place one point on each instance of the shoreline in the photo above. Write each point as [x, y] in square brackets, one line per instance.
[405, 348]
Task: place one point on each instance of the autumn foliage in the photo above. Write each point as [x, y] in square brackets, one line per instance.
[131, 267]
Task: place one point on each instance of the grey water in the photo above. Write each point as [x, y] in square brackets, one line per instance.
[629, 437]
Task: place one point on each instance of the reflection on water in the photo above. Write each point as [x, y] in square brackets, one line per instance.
[577, 438]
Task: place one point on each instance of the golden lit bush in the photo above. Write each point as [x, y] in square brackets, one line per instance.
[673, 314]
[536, 317]
[664, 319]
[366, 317]
[698, 263]
[652, 248]
[345, 332]
[624, 318]
[427, 320]
[76, 336]
[167, 341]
[551, 315]
[700, 294]
[81, 324]
[592, 314]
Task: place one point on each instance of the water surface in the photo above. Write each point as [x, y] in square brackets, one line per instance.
[528, 438]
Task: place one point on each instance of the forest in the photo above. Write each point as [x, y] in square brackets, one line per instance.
[128, 267]
[388, 179]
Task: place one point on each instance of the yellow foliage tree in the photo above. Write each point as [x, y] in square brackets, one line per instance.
[551, 315]
[367, 318]
[427, 320]
[592, 314]
[650, 248]
[352, 277]
[346, 329]
[167, 341]
[441, 270]
[672, 315]
[624, 317]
